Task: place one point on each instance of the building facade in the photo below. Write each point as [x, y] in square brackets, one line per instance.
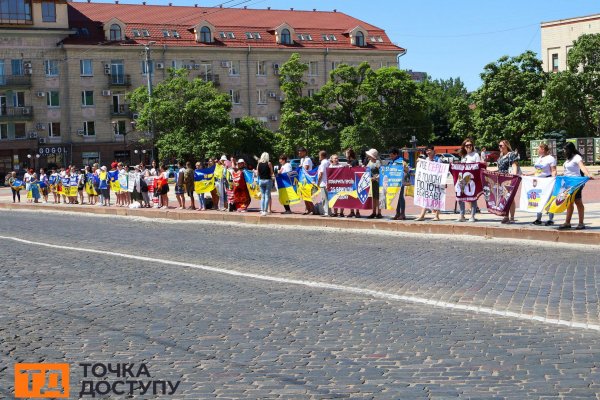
[65, 68]
[558, 37]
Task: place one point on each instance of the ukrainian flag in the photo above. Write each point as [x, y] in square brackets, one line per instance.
[252, 184]
[563, 194]
[73, 186]
[113, 179]
[64, 187]
[287, 188]
[307, 183]
[204, 180]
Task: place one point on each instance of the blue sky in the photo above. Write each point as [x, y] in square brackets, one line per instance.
[444, 38]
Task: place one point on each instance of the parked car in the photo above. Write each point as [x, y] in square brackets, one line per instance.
[295, 163]
[448, 158]
[491, 157]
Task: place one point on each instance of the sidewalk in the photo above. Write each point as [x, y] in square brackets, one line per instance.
[487, 225]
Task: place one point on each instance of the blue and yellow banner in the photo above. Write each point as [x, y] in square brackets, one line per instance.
[113, 179]
[204, 180]
[563, 194]
[391, 178]
[252, 184]
[287, 188]
[307, 184]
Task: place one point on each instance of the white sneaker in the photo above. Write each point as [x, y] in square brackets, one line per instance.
[461, 219]
[262, 213]
[472, 219]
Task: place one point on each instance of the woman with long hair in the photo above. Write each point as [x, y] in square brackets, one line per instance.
[468, 155]
[264, 173]
[545, 166]
[508, 163]
[574, 166]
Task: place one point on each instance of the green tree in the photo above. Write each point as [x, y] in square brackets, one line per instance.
[190, 118]
[507, 102]
[250, 137]
[572, 99]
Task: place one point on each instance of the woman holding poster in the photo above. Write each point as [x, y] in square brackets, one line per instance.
[431, 157]
[545, 166]
[468, 155]
[374, 165]
[574, 166]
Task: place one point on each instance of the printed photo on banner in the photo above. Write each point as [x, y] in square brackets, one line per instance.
[535, 193]
[307, 184]
[391, 178]
[564, 192]
[499, 190]
[467, 181]
[430, 184]
[349, 188]
[287, 188]
[204, 180]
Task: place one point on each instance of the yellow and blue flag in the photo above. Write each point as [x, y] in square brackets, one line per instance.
[204, 180]
[307, 184]
[113, 179]
[564, 192]
[287, 188]
[252, 184]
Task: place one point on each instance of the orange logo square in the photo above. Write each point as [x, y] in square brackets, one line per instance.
[41, 381]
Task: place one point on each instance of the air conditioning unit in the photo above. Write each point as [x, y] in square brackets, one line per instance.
[32, 135]
[41, 94]
[106, 93]
[135, 116]
[275, 66]
[160, 66]
[272, 94]
[281, 98]
[106, 69]
[80, 132]
[225, 64]
[40, 126]
[273, 117]
[27, 64]
[196, 66]
[26, 111]
[28, 71]
[42, 140]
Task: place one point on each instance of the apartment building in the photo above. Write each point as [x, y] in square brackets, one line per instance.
[558, 37]
[66, 67]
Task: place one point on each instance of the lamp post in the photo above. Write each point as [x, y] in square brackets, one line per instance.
[148, 61]
[115, 125]
[140, 152]
[32, 158]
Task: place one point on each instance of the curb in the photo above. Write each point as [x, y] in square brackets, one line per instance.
[443, 228]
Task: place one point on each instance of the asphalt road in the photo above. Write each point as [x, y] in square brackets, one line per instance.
[229, 336]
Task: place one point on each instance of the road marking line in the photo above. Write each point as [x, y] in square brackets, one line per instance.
[324, 285]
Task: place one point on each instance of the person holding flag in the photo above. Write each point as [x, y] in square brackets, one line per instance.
[574, 167]
[545, 166]
[307, 165]
[103, 185]
[15, 186]
[508, 163]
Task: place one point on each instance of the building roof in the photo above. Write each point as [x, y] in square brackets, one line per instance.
[568, 21]
[89, 18]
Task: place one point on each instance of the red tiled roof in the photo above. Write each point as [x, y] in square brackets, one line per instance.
[239, 21]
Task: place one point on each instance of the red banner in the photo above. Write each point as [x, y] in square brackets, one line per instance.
[499, 191]
[349, 188]
[467, 181]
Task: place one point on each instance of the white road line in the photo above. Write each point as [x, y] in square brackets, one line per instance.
[324, 285]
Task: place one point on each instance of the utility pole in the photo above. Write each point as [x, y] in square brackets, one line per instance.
[149, 81]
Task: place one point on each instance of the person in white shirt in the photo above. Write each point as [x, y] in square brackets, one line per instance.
[545, 166]
[306, 164]
[468, 155]
[322, 181]
[574, 166]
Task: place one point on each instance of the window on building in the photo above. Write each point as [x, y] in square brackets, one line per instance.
[54, 129]
[262, 96]
[310, 92]
[222, 35]
[145, 66]
[206, 35]
[115, 32]
[17, 67]
[300, 36]
[234, 68]
[257, 36]
[308, 36]
[20, 131]
[52, 99]
[286, 38]
[145, 33]
[48, 11]
[19, 99]
[87, 98]
[326, 38]
[85, 68]
[313, 68]
[261, 68]
[51, 67]
[166, 33]
[359, 39]
[248, 35]
[176, 34]
[555, 62]
[333, 38]
[15, 11]
[90, 157]
[89, 128]
[335, 64]
[230, 35]
[136, 33]
[120, 127]
[235, 96]
[2, 73]
[3, 131]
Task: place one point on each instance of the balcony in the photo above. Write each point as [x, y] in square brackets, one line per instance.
[16, 114]
[121, 110]
[15, 82]
[119, 81]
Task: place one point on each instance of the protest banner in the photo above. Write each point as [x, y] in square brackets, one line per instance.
[349, 188]
[131, 181]
[563, 193]
[391, 179]
[467, 181]
[307, 184]
[535, 193]
[252, 184]
[204, 180]
[287, 188]
[499, 190]
[123, 176]
[430, 184]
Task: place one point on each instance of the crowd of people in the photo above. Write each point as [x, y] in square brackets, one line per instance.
[148, 186]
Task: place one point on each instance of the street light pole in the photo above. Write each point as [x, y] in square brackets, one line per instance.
[149, 82]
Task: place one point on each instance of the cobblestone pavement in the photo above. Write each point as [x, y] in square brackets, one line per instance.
[232, 337]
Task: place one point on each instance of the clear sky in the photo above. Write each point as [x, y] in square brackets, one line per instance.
[445, 38]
